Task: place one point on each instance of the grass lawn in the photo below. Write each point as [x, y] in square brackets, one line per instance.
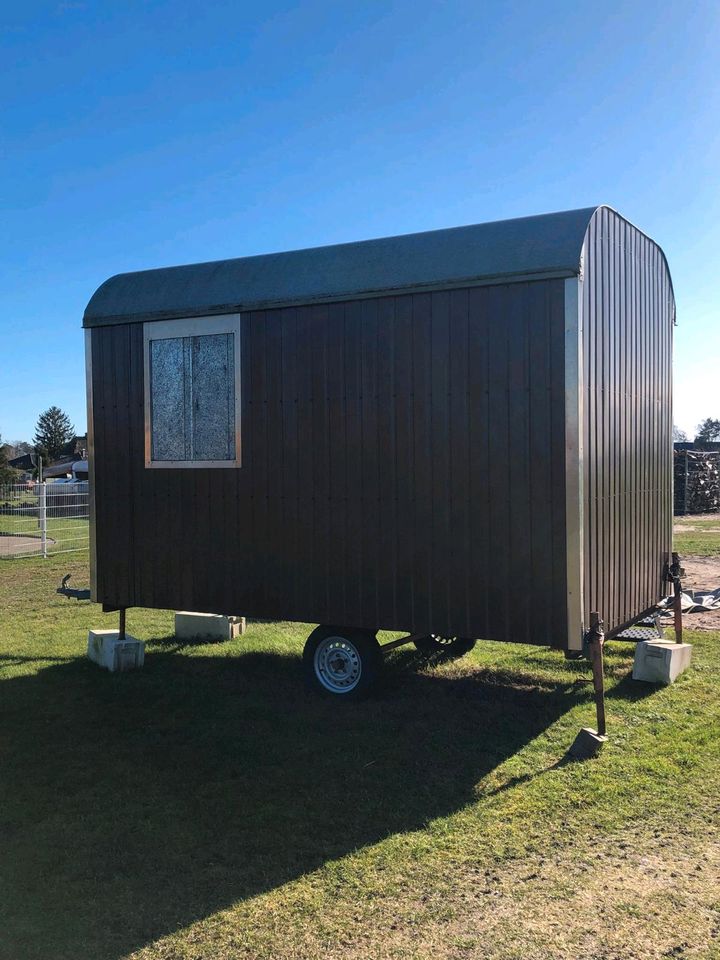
[698, 535]
[209, 807]
[64, 533]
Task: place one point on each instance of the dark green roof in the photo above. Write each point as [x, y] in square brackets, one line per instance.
[532, 247]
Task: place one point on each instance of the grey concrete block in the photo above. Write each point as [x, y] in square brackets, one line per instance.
[658, 661]
[207, 626]
[107, 650]
[587, 744]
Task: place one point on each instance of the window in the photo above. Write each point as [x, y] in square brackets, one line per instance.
[192, 392]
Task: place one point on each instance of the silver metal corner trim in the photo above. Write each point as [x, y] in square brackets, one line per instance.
[574, 462]
[91, 465]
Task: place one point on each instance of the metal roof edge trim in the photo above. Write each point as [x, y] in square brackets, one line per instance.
[606, 206]
[473, 254]
[179, 313]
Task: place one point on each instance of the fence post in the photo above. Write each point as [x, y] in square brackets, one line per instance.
[42, 512]
[687, 480]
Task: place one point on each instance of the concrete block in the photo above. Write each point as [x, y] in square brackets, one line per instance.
[587, 744]
[207, 626]
[658, 661]
[107, 650]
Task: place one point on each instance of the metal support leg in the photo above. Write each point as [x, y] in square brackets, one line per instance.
[589, 742]
[676, 572]
[596, 642]
[121, 630]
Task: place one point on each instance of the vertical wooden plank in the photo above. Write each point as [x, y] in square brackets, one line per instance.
[540, 472]
[321, 462]
[136, 459]
[500, 299]
[440, 459]
[336, 504]
[100, 423]
[480, 320]
[369, 465]
[307, 561]
[258, 417]
[116, 346]
[405, 534]
[203, 513]
[237, 519]
[288, 512]
[387, 464]
[276, 567]
[458, 547]
[423, 614]
[520, 304]
[352, 365]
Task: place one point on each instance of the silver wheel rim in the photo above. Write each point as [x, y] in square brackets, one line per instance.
[338, 665]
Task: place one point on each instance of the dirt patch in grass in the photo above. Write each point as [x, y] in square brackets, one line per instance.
[697, 518]
[619, 900]
[16, 545]
[702, 574]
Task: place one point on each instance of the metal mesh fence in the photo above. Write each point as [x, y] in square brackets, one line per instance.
[42, 519]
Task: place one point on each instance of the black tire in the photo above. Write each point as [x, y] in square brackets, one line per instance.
[435, 643]
[342, 663]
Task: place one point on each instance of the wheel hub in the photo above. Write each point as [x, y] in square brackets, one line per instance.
[337, 664]
[443, 641]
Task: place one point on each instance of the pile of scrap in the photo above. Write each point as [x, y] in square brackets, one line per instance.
[697, 481]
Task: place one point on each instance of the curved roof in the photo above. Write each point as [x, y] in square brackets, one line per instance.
[529, 247]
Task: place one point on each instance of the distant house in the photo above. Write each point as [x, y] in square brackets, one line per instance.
[25, 464]
[72, 462]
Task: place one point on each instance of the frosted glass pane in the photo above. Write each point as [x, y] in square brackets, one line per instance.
[167, 399]
[213, 398]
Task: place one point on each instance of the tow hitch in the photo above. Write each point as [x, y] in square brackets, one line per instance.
[71, 592]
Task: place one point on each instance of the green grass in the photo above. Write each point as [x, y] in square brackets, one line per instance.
[697, 535]
[209, 806]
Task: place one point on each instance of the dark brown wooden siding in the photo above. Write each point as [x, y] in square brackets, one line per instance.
[628, 313]
[402, 467]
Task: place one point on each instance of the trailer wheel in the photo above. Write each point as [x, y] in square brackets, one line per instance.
[343, 662]
[437, 643]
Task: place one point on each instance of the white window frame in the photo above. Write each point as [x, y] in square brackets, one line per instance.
[192, 327]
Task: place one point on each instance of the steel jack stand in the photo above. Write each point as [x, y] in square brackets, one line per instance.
[589, 742]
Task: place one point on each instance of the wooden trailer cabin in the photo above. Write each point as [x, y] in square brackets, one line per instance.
[461, 434]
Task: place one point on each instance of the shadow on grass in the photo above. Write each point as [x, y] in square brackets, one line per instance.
[132, 805]
[16, 660]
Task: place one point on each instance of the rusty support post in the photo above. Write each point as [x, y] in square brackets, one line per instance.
[676, 572]
[596, 641]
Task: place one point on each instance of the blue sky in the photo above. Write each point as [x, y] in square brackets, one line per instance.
[135, 135]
